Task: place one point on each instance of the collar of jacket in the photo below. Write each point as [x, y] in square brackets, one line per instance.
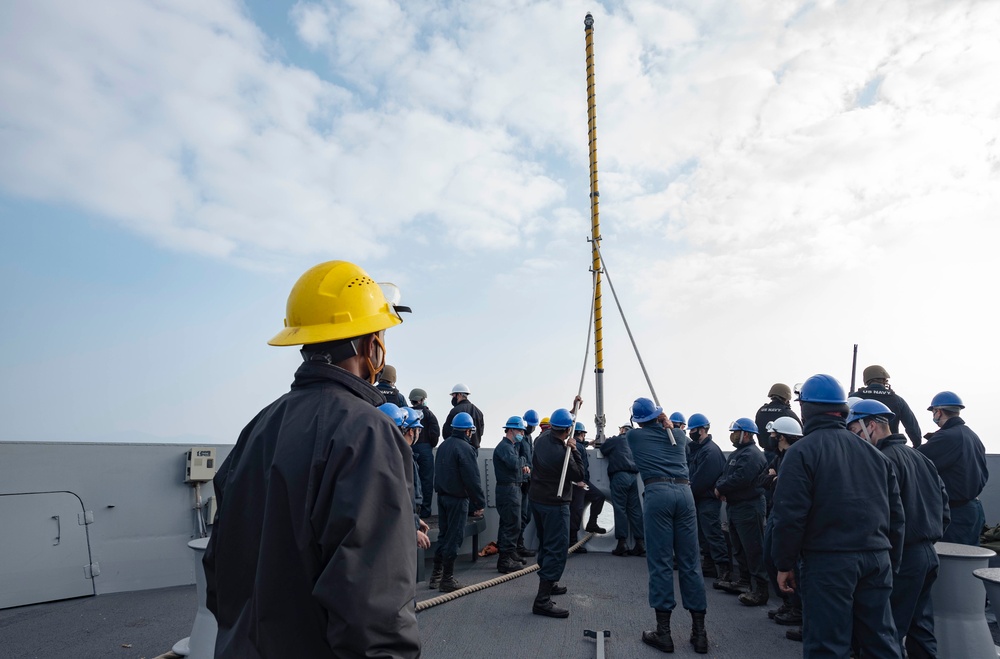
[821, 421]
[896, 438]
[313, 374]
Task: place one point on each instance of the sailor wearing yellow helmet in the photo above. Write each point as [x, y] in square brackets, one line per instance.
[312, 550]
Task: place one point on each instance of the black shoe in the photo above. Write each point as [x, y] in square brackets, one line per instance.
[622, 549]
[558, 590]
[449, 584]
[506, 564]
[725, 576]
[784, 608]
[580, 550]
[435, 579]
[592, 527]
[708, 569]
[543, 605]
[794, 634]
[524, 551]
[734, 587]
[699, 637]
[792, 616]
[639, 549]
[516, 557]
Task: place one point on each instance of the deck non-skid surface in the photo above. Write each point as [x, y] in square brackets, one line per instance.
[605, 593]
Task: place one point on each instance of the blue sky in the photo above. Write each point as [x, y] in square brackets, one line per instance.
[777, 184]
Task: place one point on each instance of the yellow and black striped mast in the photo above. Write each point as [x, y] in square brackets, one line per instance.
[595, 237]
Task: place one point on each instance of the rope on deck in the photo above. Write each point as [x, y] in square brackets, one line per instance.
[483, 585]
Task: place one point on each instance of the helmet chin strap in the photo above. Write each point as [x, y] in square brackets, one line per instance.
[373, 369]
[864, 429]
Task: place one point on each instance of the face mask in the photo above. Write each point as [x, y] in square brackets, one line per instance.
[695, 434]
[519, 437]
[735, 438]
[375, 368]
[938, 419]
[454, 401]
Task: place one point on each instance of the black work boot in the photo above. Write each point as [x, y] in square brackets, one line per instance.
[521, 549]
[639, 549]
[794, 634]
[699, 637]
[507, 564]
[735, 587]
[773, 613]
[793, 616]
[516, 556]
[592, 526]
[557, 589]
[756, 596]
[725, 576]
[448, 582]
[435, 579]
[708, 568]
[622, 549]
[660, 638]
[543, 605]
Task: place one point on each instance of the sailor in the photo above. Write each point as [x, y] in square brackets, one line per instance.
[543, 425]
[705, 465]
[319, 483]
[458, 488]
[670, 523]
[584, 493]
[779, 406]
[526, 449]
[460, 403]
[407, 420]
[783, 432]
[877, 388]
[550, 508]
[925, 504]
[624, 494]
[678, 420]
[837, 509]
[745, 509]
[960, 458]
[509, 467]
[423, 450]
[387, 385]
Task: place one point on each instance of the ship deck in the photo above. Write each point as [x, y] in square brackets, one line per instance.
[605, 593]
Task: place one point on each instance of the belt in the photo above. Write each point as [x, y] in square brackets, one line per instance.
[958, 503]
[662, 479]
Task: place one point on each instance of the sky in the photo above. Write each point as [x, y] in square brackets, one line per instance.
[779, 181]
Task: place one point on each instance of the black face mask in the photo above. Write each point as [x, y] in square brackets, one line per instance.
[695, 434]
[454, 401]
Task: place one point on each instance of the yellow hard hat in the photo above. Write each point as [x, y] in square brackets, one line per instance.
[332, 301]
[544, 421]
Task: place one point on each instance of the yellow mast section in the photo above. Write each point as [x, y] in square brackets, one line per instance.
[595, 226]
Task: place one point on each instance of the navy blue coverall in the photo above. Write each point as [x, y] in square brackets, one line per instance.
[582, 497]
[745, 510]
[549, 508]
[508, 466]
[960, 458]
[624, 488]
[705, 464]
[894, 402]
[837, 506]
[526, 447]
[668, 516]
[925, 502]
[423, 455]
[458, 485]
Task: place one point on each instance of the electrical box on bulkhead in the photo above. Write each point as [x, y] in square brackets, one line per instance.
[200, 465]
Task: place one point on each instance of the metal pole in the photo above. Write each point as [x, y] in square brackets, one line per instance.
[595, 232]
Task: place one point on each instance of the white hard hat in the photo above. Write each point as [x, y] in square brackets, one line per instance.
[460, 389]
[785, 425]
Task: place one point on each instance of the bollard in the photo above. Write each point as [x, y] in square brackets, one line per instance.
[960, 602]
[201, 643]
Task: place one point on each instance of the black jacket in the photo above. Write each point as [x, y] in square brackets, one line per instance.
[312, 551]
[960, 458]
[925, 499]
[526, 449]
[770, 412]
[836, 492]
[739, 477]
[431, 431]
[705, 466]
[391, 393]
[894, 402]
[456, 470]
[477, 420]
[546, 468]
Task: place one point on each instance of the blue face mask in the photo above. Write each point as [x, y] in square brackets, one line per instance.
[519, 437]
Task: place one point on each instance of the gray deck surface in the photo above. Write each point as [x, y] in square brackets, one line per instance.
[605, 592]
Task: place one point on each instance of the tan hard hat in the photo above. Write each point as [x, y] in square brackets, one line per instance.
[782, 390]
[875, 372]
[388, 374]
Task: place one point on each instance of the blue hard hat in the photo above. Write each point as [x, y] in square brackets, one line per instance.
[822, 389]
[677, 418]
[865, 408]
[743, 424]
[394, 413]
[531, 418]
[644, 410]
[561, 418]
[515, 423]
[412, 419]
[463, 421]
[579, 427]
[946, 399]
[698, 421]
